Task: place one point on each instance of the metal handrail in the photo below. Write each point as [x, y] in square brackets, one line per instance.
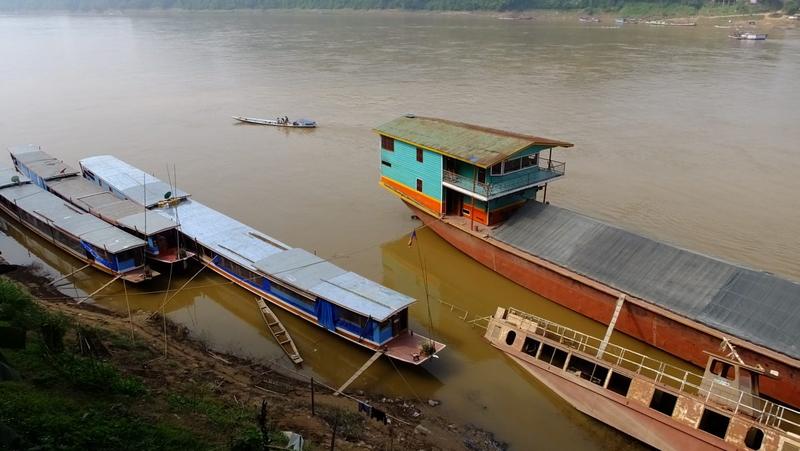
[545, 169]
[763, 411]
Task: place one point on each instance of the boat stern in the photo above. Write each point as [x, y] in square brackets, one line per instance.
[410, 347]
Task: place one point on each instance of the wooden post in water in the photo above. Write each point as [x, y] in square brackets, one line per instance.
[333, 437]
[313, 411]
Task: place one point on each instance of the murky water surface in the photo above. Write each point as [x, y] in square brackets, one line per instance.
[683, 135]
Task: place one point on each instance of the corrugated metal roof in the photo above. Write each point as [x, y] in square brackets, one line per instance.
[10, 177]
[326, 280]
[478, 145]
[134, 183]
[88, 228]
[43, 164]
[755, 306]
[262, 253]
[100, 202]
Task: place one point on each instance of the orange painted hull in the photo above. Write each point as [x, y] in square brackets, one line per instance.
[641, 320]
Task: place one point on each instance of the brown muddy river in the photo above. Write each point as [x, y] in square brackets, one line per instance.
[681, 134]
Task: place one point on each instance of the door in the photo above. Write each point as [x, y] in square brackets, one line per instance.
[454, 201]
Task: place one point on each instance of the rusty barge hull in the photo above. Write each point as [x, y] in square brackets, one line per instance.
[639, 422]
[678, 335]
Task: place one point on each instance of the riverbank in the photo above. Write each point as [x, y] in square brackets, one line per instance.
[164, 389]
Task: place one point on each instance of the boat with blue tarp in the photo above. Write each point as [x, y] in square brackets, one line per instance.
[306, 285]
[159, 231]
[87, 238]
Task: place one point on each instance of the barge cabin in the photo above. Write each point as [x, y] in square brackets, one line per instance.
[87, 238]
[666, 407]
[159, 231]
[460, 170]
[296, 280]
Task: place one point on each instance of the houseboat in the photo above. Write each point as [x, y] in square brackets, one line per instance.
[344, 303]
[85, 237]
[484, 191]
[158, 231]
[666, 407]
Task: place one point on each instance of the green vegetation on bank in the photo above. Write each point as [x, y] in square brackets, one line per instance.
[662, 7]
[61, 392]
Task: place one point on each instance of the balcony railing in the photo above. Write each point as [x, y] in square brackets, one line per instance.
[505, 184]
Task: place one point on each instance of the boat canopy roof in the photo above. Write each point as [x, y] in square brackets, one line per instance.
[480, 146]
[10, 177]
[322, 278]
[305, 122]
[125, 213]
[135, 184]
[43, 164]
[48, 207]
[263, 254]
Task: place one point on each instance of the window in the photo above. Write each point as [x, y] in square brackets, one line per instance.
[387, 143]
[481, 175]
[510, 337]
[619, 384]
[386, 163]
[512, 165]
[419, 185]
[419, 154]
[497, 169]
[553, 356]
[723, 369]
[588, 370]
[754, 438]
[530, 346]
[714, 423]
[663, 402]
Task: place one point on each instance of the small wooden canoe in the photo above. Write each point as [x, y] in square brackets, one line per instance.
[296, 123]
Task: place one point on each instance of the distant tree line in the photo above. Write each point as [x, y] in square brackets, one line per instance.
[447, 5]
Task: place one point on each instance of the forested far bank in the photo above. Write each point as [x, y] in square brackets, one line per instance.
[641, 7]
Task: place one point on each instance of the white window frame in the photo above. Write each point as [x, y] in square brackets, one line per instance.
[521, 167]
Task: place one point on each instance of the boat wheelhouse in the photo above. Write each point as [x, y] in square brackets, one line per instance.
[159, 231]
[676, 300]
[664, 406]
[462, 170]
[91, 240]
[296, 280]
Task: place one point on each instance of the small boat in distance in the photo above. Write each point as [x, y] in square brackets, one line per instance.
[589, 19]
[748, 36]
[278, 122]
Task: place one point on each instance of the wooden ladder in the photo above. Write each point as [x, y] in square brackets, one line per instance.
[279, 332]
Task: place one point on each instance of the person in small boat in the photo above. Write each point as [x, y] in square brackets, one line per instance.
[286, 119]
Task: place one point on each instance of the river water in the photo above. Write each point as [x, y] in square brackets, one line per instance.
[681, 134]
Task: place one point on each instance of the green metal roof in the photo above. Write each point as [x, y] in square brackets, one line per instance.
[474, 144]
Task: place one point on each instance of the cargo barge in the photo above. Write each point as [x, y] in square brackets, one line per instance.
[342, 302]
[484, 191]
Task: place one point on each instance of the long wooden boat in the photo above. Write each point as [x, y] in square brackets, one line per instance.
[342, 302]
[666, 407]
[158, 231]
[748, 36]
[296, 123]
[85, 237]
[679, 301]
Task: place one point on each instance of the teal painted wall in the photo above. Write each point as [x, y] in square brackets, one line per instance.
[504, 201]
[406, 169]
